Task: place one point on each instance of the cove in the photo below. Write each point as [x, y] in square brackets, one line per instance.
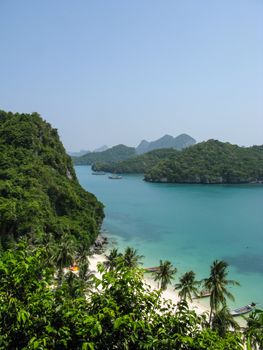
[190, 225]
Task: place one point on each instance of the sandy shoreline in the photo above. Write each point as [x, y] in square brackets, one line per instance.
[168, 294]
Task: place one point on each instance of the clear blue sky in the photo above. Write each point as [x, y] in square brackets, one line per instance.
[118, 71]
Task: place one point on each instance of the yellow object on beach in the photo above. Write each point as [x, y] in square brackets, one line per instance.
[74, 268]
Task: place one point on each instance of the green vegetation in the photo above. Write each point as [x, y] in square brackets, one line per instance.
[254, 330]
[111, 155]
[47, 224]
[40, 196]
[165, 274]
[223, 321]
[115, 311]
[210, 162]
[206, 162]
[217, 284]
[187, 286]
[137, 165]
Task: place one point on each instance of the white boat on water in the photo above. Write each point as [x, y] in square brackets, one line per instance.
[115, 177]
[243, 310]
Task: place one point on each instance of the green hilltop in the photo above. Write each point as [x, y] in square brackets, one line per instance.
[210, 162]
[39, 191]
[206, 162]
[111, 155]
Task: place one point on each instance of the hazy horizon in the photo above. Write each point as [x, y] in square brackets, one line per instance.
[135, 145]
[115, 72]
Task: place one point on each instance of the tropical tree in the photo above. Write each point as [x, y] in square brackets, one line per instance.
[111, 260]
[131, 258]
[223, 321]
[124, 314]
[64, 255]
[187, 286]
[49, 244]
[254, 330]
[82, 253]
[217, 285]
[165, 274]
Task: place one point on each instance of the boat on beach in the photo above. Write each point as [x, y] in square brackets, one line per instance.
[203, 294]
[243, 310]
[115, 177]
[152, 269]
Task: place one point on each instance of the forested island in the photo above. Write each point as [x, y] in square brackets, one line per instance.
[210, 162]
[50, 299]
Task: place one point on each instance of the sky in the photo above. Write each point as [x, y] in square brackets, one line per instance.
[119, 71]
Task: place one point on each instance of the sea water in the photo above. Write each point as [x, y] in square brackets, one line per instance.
[190, 225]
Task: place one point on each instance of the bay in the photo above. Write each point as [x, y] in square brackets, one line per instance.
[190, 225]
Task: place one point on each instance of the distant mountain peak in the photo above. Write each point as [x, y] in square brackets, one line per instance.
[167, 141]
[79, 153]
[101, 149]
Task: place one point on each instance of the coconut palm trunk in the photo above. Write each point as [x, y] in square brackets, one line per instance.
[165, 274]
[217, 284]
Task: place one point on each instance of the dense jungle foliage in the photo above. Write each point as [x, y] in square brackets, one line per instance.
[111, 155]
[39, 191]
[114, 311]
[136, 165]
[211, 162]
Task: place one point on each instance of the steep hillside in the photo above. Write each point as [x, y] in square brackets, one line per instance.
[114, 154]
[39, 191]
[167, 141]
[210, 162]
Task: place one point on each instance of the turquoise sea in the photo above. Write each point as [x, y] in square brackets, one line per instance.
[190, 225]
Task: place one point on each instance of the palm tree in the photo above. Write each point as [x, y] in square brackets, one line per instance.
[64, 255]
[131, 258]
[82, 253]
[165, 274]
[223, 321]
[187, 286]
[216, 284]
[82, 257]
[47, 241]
[254, 330]
[111, 260]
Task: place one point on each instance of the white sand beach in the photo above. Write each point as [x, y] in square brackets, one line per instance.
[169, 294]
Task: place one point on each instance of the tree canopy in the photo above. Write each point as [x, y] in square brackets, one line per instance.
[206, 162]
[210, 162]
[39, 191]
[118, 312]
[111, 155]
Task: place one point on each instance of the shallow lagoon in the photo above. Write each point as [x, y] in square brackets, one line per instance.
[190, 225]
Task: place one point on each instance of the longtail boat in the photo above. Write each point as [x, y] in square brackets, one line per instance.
[152, 269]
[243, 310]
[203, 294]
